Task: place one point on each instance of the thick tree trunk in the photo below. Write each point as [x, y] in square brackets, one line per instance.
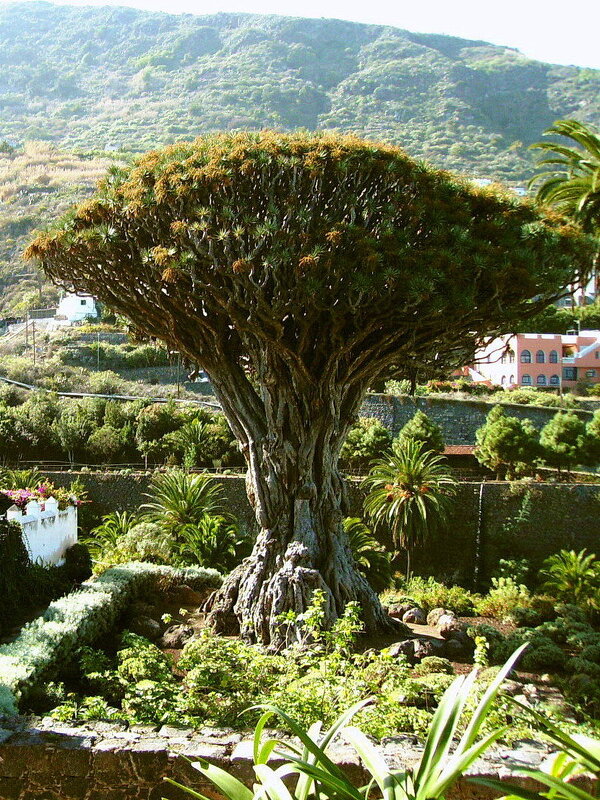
[299, 500]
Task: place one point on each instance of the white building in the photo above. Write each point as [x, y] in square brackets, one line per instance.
[77, 307]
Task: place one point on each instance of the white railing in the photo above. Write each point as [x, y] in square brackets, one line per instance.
[48, 532]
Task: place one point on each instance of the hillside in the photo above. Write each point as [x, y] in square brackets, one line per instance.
[122, 78]
[83, 87]
[37, 183]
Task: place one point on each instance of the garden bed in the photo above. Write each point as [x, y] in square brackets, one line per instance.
[79, 619]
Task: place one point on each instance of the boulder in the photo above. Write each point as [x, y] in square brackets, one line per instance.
[435, 614]
[424, 648]
[449, 626]
[176, 636]
[399, 610]
[186, 596]
[145, 626]
[404, 648]
[415, 616]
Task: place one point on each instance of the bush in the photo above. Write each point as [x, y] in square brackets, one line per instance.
[77, 619]
[368, 440]
[504, 596]
[422, 429]
[544, 658]
[429, 593]
[434, 665]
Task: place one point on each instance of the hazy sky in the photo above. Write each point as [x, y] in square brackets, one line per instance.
[565, 33]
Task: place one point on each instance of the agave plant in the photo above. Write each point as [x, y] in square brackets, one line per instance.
[179, 498]
[410, 490]
[371, 558]
[577, 755]
[443, 762]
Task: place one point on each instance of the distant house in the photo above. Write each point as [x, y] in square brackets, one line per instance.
[540, 359]
[77, 307]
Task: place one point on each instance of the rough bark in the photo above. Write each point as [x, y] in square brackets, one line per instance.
[299, 498]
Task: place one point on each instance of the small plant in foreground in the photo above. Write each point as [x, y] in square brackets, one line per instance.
[441, 765]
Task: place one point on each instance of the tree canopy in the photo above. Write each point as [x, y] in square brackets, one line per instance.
[241, 238]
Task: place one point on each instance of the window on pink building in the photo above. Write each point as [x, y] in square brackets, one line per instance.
[554, 380]
[540, 357]
[553, 357]
[525, 357]
[541, 380]
[526, 380]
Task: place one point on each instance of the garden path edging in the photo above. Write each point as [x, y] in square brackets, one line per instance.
[42, 759]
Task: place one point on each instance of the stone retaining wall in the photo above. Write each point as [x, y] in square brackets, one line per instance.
[458, 419]
[482, 526]
[42, 759]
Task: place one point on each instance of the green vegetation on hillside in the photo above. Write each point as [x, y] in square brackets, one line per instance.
[127, 79]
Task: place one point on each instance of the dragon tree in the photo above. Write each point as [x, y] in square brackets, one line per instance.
[298, 270]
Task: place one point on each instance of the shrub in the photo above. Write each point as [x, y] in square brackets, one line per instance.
[546, 657]
[80, 618]
[370, 557]
[573, 576]
[504, 596]
[433, 664]
[583, 666]
[429, 593]
[507, 445]
[368, 440]
[422, 429]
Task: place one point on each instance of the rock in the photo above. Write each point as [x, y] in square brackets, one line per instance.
[435, 614]
[145, 626]
[449, 626]
[454, 649]
[423, 648]
[185, 596]
[404, 648]
[511, 688]
[415, 616]
[176, 636]
[398, 611]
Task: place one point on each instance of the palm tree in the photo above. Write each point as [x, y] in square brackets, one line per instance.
[179, 498]
[573, 578]
[410, 490]
[572, 181]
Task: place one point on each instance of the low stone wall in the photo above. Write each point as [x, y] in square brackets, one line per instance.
[458, 419]
[41, 759]
[482, 527]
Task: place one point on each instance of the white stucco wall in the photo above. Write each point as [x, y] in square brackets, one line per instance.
[47, 534]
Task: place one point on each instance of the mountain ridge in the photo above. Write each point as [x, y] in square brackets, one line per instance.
[122, 78]
[77, 82]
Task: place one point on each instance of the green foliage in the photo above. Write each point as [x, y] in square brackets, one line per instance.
[421, 428]
[504, 596]
[213, 541]
[564, 440]
[573, 577]
[571, 181]
[371, 558]
[438, 770]
[410, 491]
[178, 498]
[78, 619]
[507, 445]
[427, 593]
[368, 440]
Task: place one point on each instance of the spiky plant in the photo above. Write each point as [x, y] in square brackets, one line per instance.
[372, 559]
[178, 498]
[410, 491]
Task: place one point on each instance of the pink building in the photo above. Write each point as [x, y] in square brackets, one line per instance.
[540, 359]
